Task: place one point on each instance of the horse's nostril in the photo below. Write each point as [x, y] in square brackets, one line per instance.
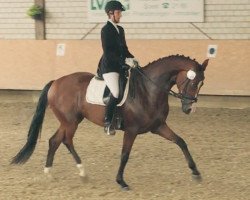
[187, 110]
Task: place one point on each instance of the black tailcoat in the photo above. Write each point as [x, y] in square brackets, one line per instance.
[115, 50]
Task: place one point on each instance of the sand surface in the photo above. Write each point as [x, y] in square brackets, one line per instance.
[218, 139]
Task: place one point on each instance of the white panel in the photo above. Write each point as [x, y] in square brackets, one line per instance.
[151, 11]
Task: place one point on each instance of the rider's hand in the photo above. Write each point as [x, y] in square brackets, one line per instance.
[136, 62]
[132, 62]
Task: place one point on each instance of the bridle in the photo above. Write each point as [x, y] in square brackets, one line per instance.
[182, 96]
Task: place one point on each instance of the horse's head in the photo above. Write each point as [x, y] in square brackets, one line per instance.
[189, 84]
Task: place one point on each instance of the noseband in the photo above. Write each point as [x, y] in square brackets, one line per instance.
[182, 96]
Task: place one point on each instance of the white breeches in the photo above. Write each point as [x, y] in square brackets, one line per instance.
[112, 81]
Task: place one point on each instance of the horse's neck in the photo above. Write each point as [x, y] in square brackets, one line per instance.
[145, 89]
[150, 87]
[165, 67]
[163, 75]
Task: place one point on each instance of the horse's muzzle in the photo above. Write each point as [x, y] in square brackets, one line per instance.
[187, 106]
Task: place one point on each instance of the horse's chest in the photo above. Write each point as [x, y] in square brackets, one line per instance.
[151, 118]
[145, 116]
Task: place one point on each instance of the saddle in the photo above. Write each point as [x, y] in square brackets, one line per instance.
[117, 117]
[107, 93]
[98, 93]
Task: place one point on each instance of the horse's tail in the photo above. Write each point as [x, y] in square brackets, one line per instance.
[35, 128]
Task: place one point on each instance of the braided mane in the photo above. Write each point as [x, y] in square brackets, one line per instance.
[177, 56]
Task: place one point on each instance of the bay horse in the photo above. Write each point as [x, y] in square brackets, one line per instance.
[145, 109]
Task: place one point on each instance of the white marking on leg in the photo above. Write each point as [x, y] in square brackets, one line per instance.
[46, 170]
[81, 169]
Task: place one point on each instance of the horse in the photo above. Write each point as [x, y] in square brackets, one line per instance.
[145, 109]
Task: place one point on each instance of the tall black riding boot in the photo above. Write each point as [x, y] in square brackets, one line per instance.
[109, 113]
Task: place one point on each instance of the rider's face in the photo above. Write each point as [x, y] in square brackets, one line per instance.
[116, 16]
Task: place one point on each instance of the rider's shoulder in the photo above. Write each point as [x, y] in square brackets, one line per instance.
[120, 28]
[107, 27]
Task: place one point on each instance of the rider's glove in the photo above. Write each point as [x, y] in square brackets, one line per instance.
[136, 62]
[132, 62]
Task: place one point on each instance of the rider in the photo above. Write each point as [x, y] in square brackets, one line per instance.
[115, 52]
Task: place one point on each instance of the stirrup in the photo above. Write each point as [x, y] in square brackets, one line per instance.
[109, 129]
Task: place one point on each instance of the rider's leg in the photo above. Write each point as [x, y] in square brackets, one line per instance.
[112, 81]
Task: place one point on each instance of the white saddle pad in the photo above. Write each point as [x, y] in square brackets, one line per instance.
[96, 89]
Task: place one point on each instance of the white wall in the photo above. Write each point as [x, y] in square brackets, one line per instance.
[14, 23]
[67, 19]
[224, 19]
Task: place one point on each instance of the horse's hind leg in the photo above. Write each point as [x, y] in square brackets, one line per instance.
[167, 133]
[68, 141]
[54, 143]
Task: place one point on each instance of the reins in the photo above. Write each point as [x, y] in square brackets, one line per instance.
[139, 69]
[170, 92]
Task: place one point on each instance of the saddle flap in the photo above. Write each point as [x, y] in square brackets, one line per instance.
[97, 92]
[107, 93]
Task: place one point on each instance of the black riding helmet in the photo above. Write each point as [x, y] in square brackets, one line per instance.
[114, 5]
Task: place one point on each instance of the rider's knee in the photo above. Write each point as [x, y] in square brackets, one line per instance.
[115, 93]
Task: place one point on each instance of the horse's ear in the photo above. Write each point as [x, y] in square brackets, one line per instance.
[204, 64]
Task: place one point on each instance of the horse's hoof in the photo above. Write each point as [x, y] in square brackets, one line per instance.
[123, 185]
[126, 188]
[84, 179]
[197, 177]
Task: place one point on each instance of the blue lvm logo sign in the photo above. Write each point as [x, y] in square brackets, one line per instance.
[100, 4]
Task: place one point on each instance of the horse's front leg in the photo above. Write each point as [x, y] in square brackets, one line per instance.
[167, 133]
[128, 141]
